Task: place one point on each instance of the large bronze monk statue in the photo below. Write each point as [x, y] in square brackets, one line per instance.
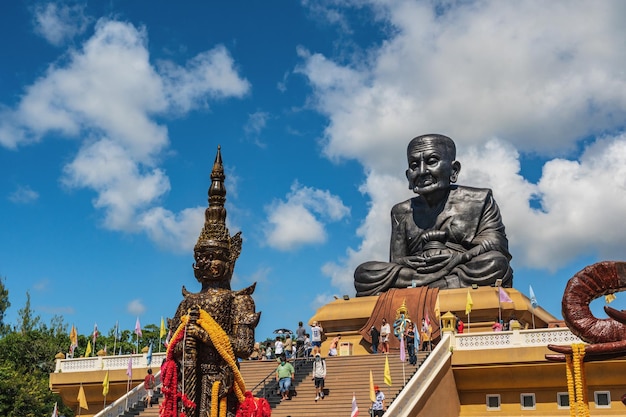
[448, 236]
[213, 327]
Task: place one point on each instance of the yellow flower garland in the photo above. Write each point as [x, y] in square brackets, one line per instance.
[221, 342]
[576, 381]
[223, 407]
[583, 382]
[215, 389]
[570, 385]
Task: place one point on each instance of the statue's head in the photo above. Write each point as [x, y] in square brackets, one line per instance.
[213, 263]
[216, 251]
[432, 164]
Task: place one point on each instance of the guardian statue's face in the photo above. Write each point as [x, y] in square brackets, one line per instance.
[212, 264]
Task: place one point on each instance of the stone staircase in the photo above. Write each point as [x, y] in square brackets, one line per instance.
[146, 411]
[345, 375]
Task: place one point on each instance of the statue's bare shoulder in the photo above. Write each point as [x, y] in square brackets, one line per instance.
[402, 208]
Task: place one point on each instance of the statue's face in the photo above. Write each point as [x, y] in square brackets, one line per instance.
[212, 264]
[431, 168]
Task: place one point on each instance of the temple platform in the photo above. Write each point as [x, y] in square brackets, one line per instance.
[348, 316]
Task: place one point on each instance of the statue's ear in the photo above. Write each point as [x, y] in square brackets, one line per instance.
[408, 178]
[456, 168]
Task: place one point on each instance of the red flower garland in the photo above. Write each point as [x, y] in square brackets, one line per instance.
[254, 407]
[169, 379]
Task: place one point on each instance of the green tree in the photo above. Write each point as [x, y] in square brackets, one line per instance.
[4, 305]
[26, 361]
[27, 321]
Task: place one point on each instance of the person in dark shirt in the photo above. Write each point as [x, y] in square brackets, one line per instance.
[375, 338]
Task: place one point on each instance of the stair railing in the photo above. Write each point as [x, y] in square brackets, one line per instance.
[128, 401]
[268, 387]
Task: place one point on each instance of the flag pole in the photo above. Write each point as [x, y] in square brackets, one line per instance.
[115, 338]
[127, 389]
[498, 285]
[403, 360]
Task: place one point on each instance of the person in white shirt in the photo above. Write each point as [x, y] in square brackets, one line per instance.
[319, 374]
[307, 346]
[278, 346]
[385, 329]
[316, 337]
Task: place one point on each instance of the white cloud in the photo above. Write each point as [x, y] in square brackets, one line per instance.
[136, 307]
[42, 285]
[301, 219]
[502, 79]
[256, 123]
[58, 23]
[122, 187]
[108, 95]
[174, 231]
[23, 195]
[210, 74]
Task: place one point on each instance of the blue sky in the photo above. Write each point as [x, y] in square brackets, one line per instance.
[111, 114]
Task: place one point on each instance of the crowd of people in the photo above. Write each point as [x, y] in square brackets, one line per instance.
[414, 339]
[284, 345]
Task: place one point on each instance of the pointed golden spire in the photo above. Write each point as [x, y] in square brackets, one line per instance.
[215, 233]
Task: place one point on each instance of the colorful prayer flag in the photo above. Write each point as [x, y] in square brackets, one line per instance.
[504, 297]
[82, 400]
[129, 369]
[88, 350]
[387, 371]
[73, 339]
[95, 333]
[372, 392]
[355, 408]
[149, 355]
[427, 319]
[468, 303]
[533, 299]
[105, 385]
[138, 328]
[162, 332]
[402, 349]
[437, 309]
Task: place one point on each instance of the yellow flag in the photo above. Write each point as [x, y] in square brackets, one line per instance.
[73, 337]
[82, 400]
[469, 303]
[609, 298]
[372, 393]
[105, 385]
[88, 350]
[162, 332]
[437, 310]
[387, 371]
